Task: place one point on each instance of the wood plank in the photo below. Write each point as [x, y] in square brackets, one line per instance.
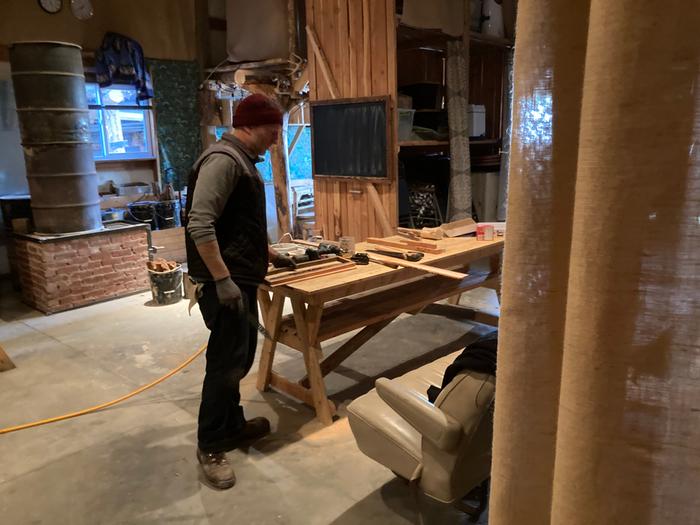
[379, 210]
[366, 64]
[461, 313]
[308, 265]
[407, 244]
[312, 274]
[5, 361]
[297, 391]
[336, 210]
[378, 43]
[332, 362]
[418, 266]
[343, 216]
[356, 47]
[311, 59]
[322, 61]
[313, 369]
[342, 49]
[272, 318]
[265, 303]
[374, 306]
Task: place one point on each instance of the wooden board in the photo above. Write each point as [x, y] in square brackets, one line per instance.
[458, 228]
[5, 361]
[407, 244]
[309, 271]
[418, 266]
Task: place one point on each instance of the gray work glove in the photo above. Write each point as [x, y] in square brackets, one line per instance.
[283, 261]
[229, 294]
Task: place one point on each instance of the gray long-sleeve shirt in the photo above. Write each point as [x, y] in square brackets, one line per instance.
[217, 179]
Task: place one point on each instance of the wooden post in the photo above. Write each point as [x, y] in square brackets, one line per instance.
[5, 361]
[279, 158]
[322, 62]
[379, 210]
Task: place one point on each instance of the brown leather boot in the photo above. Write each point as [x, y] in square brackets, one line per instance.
[216, 469]
[253, 430]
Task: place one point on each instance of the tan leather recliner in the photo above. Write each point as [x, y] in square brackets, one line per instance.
[445, 447]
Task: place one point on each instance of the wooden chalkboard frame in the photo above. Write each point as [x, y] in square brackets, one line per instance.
[387, 179]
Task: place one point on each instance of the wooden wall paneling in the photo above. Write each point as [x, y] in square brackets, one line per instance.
[355, 40]
[366, 65]
[336, 207]
[378, 43]
[343, 49]
[359, 41]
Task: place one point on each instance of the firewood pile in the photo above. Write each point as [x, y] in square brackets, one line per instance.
[161, 265]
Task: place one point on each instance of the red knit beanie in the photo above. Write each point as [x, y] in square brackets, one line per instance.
[257, 110]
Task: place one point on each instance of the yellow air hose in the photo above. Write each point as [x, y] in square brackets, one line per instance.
[110, 403]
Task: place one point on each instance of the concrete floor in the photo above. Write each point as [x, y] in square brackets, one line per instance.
[135, 462]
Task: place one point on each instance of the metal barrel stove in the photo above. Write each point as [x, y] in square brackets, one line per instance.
[49, 86]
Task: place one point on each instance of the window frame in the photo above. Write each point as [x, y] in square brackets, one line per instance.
[149, 124]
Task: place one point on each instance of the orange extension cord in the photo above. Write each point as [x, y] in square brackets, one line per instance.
[110, 403]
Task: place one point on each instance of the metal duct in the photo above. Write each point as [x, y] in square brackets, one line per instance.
[49, 86]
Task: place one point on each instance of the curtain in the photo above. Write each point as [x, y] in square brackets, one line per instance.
[598, 389]
[459, 201]
[177, 117]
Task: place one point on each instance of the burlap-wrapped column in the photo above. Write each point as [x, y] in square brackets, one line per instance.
[546, 109]
[628, 443]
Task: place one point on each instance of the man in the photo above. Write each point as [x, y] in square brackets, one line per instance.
[228, 255]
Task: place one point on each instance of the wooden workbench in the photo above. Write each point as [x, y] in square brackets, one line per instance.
[367, 297]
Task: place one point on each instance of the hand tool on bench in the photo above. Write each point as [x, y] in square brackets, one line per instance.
[406, 256]
[383, 259]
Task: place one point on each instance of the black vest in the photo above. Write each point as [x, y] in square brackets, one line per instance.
[241, 230]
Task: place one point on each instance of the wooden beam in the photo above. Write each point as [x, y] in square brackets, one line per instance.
[295, 139]
[365, 48]
[306, 323]
[273, 319]
[379, 210]
[323, 62]
[332, 362]
[375, 257]
[5, 361]
[201, 27]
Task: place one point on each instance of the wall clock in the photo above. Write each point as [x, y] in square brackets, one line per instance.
[51, 6]
[82, 9]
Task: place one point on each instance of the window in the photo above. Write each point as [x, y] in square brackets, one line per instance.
[120, 128]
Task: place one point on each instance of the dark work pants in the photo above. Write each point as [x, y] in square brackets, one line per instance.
[230, 355]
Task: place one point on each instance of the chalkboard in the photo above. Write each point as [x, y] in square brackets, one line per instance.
[349, 138]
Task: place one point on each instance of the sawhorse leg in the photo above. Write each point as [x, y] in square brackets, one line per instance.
[307, 322]
[5, 361]
[271, 310]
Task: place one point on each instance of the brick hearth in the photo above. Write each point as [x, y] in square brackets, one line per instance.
[61, 273]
